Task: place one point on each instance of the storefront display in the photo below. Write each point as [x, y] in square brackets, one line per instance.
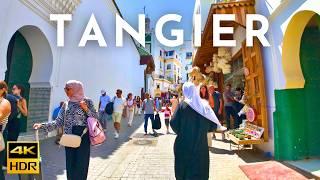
[245, 136]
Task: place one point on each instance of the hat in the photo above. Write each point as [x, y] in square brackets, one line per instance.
[103, 91]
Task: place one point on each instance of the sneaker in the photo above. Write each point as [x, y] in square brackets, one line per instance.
[221, 128]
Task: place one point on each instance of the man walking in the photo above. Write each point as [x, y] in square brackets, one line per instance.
[118, 106]
[148, 106]
[104, 100]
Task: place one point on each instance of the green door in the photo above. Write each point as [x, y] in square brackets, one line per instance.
[19, 67]
[297, 116]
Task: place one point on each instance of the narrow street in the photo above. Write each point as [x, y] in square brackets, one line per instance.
[141, 157]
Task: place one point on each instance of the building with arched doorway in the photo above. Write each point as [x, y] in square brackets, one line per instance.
[293, 62]
[290, 69]
[30, 57]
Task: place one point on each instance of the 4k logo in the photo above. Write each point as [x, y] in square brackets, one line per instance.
[25, 150]
[23, 158]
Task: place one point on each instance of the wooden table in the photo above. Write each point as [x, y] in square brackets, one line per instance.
[241, 143]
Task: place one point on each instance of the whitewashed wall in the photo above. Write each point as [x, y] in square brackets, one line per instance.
[98, 68]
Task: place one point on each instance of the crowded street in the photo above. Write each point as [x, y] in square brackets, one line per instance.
[159, 89]
[134, 156]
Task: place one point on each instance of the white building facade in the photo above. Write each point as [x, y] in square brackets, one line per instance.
[25, 24]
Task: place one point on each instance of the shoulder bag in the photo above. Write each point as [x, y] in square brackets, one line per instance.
[70, 140]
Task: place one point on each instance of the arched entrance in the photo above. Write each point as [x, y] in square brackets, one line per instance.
[29, 63]
[297, 118]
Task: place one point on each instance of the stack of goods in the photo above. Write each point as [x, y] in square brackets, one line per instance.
[240, 134]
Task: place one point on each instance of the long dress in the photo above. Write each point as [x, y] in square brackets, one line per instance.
[191, 144]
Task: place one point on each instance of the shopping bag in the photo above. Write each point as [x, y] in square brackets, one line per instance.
[156, 124]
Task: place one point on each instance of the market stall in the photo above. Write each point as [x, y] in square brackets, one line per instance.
[247, 134]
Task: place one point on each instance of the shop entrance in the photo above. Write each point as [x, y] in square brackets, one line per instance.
[29, 64]
[297, 117]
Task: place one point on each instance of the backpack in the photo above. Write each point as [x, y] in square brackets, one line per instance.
[109, 107]
[96, 132]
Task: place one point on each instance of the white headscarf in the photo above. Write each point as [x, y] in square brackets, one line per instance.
[192, 98]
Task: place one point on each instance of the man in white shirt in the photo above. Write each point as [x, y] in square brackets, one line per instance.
[118, 106]
[104, 100]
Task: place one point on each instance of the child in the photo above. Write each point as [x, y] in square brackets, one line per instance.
[167, 116]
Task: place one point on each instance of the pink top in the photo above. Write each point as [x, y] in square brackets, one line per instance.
[167, 113]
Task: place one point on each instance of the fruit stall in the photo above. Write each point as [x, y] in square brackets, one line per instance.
[246, 136]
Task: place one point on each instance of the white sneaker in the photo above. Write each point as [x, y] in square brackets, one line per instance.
[221, 128]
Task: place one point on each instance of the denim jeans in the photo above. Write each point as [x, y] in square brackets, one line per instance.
[146, 118]
[229, 110]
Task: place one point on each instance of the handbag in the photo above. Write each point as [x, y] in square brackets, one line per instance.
[70, 140]
[156, 124]
[96, 132]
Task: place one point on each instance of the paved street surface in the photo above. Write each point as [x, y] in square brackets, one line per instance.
[141, 157]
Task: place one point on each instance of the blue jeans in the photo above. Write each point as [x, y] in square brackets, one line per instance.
[231, 112]
[146, 118]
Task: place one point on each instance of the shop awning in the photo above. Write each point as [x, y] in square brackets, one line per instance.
[240, 9]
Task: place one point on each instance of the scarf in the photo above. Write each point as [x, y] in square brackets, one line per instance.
[77, 87]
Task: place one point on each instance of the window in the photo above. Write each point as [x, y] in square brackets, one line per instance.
[174, 67]
[168, 66]
[158, 86]
[170, 53]
[160, 65]
[160, 53]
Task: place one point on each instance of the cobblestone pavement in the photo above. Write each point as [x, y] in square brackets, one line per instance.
[141, 157]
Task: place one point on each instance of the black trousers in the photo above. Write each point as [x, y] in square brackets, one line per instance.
[77, 159]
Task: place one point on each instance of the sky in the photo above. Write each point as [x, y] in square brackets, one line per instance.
[157, 8]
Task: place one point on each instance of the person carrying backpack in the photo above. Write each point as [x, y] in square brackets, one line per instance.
[103, 102]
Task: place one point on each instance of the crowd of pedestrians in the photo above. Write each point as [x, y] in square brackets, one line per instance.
[70, 117]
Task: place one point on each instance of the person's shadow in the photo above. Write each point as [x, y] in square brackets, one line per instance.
[220, 151]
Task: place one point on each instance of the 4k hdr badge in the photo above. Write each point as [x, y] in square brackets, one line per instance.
[23, 158]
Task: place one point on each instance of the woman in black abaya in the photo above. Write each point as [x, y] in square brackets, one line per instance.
[191, 122]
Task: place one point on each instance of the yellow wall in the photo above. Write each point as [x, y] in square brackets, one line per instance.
[291, 49]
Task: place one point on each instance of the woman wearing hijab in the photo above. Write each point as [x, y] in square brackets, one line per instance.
[191, 122]
[73, 118]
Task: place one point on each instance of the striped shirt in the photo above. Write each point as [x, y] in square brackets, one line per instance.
[4, 121]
